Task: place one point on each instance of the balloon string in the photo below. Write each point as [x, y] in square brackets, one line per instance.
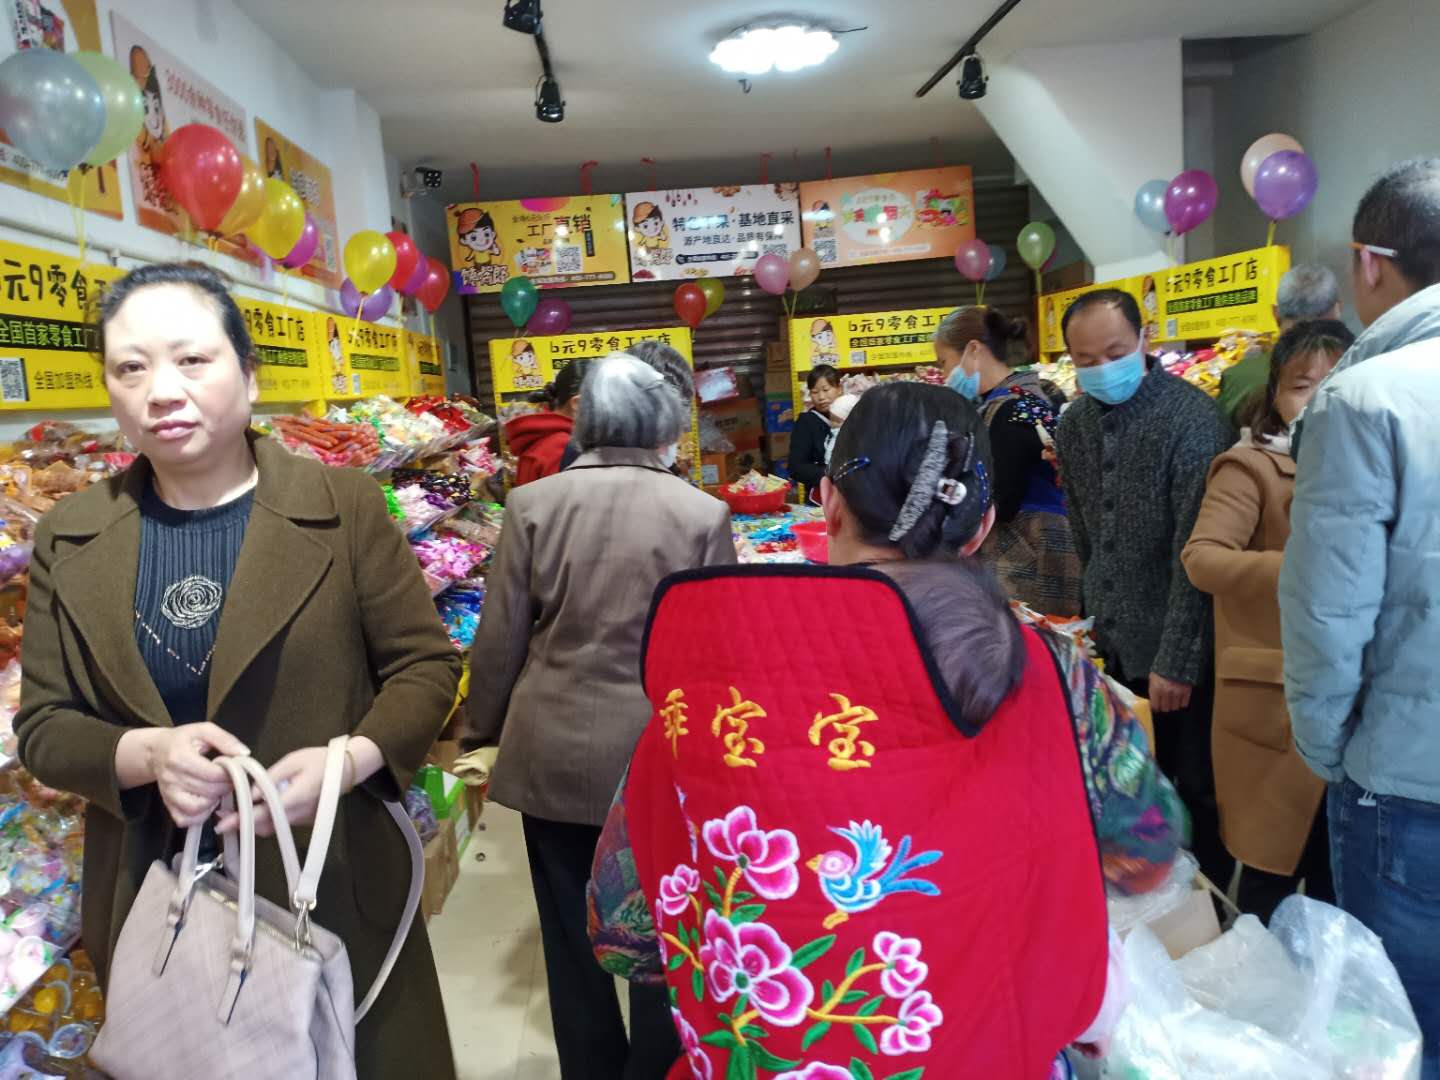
[475, 180]
[1270, 235]
[829, 162]
[355, 322]
[586, 186]
[979, 294]
[77, 208]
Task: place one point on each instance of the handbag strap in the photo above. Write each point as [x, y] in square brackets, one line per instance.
[320, 834]
[283, 836]
[243, 943]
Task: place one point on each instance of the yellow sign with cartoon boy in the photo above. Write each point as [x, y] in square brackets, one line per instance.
[362, 359]
[879, 339]
[576, 240]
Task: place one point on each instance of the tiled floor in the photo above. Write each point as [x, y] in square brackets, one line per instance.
[492, 974]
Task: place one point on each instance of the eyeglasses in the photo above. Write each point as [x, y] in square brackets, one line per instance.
[1375, 249]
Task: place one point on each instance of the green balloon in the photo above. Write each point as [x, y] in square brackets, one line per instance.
[1036, 243]
[124, 105]
[714, 290]
[519, 298]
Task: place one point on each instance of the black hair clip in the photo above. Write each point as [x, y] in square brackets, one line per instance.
[854, 465]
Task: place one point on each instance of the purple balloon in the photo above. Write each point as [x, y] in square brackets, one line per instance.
[376, 306]
[304, 249]
[551, 317]
[1285, 183]
[772, 273]
[418, 278]
[1190, 199]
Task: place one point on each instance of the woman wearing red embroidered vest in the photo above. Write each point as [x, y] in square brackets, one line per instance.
[895, 870]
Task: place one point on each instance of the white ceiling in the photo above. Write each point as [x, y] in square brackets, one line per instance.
[452, 85]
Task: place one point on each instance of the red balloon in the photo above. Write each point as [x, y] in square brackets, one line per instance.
[407, 258]
[437, 285]
[203, 173]
[690, 304]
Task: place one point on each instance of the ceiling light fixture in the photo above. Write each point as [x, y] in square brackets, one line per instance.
[756, 50]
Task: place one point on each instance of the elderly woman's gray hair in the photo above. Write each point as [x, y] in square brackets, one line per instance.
[626, 403]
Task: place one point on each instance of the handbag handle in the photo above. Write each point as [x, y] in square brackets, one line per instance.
[283, 836]
[243, 943]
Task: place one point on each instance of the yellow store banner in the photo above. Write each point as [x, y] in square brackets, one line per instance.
[289, 351]
[426, 364]
[361, 359]
[1234, 292]
[576, 240]
[523, 365]
[878, 339]
[48, 343]
[1194, 302]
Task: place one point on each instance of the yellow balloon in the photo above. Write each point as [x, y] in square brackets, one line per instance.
[280, 226]
[369, 260]
[249, 205]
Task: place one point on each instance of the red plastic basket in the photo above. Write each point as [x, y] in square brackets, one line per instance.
[767, 502]
[813, 540]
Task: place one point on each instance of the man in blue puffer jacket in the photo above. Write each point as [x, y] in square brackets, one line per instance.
[1360, 588]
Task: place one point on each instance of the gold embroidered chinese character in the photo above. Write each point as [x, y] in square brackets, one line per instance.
[674, 715]
[737, 719]
[847, 743]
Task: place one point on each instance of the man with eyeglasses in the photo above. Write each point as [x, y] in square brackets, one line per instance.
[1360, 588]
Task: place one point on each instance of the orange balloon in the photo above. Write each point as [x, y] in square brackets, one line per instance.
[245, 211]
[804, 269]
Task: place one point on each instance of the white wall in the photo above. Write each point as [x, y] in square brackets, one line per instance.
[1089, 124]
[218, 41]
[1359, 94]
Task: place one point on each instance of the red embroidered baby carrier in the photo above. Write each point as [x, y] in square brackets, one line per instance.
[847, 886]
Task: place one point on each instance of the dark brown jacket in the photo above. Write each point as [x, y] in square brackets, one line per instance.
[1268, 796]
[328, 629]
[555, 678]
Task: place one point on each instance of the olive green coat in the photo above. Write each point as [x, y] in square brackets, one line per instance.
[328, 629]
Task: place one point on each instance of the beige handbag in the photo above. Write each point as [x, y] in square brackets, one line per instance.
[209, 980]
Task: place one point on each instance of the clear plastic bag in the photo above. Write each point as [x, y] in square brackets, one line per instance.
[1314, 996]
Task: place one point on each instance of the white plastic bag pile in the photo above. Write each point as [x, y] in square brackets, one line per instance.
[1313, 997]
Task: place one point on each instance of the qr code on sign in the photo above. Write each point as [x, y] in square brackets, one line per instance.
[12, 379]
[776, 249]
[569, 260]
[825, 251]
[858, 357]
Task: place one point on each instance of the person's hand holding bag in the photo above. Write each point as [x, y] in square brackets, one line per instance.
[299, 776]
[176, 760]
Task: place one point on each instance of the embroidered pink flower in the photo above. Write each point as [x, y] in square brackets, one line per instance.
[767, 858]
[904, 970]
[817, 1071]
[694, 1052]
[753, 961]
[919, 1015]
[675, 889]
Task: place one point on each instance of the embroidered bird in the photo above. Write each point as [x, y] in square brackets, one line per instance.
[856, 883]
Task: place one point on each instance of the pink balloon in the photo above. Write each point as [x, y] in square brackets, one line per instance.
[551, 317]
[304, 249]
[418, 278]
[772, 273]
[375, 307]
[1190, 199]
[972, 259]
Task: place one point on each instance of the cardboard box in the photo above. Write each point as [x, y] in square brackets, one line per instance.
[779, 384]
[739, 421]
[778, 446]
[712, 470]
[779, 414]
[777, 356]
[1192, 924]
[442, 870]
[718, 469]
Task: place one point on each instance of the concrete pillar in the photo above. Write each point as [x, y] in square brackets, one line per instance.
[1089, 124]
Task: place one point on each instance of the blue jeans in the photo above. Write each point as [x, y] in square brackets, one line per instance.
[1385, 853]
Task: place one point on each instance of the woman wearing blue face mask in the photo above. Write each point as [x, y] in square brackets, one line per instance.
[1030, 547]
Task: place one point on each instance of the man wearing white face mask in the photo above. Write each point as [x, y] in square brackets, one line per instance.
[1134, 452]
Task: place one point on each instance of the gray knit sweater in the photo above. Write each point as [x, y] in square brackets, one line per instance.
[1134, 475]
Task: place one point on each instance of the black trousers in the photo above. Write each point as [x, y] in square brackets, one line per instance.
[1261, 891]
[589, 1029]
[1182, 750]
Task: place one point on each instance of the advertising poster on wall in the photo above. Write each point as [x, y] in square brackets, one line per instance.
[289, 353]
[174, 96]
[890, 217]
[68, 26]
[310, 177]
[873, 340]
[710, 232]
[360, 359]
[47, 343]
[577, 240]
